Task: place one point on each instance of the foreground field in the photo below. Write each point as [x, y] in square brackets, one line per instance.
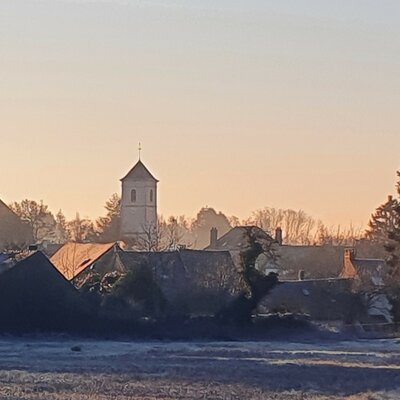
[49, 369]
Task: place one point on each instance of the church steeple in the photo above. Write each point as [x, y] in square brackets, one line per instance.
[138, 202]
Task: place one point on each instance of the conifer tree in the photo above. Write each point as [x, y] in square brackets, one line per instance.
[383, 220]
[109, 226]
[392, 244]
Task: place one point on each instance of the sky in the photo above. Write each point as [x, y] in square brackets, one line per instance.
[238, 104]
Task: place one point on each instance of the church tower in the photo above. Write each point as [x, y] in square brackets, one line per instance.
[138, 202]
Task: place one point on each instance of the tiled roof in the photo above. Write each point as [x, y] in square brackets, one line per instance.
[73, 258]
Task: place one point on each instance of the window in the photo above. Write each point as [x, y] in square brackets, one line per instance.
[151, 195]
[133, 196]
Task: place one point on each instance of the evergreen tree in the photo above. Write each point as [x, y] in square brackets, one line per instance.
[109, 225]
[392, 244]
[383, 220]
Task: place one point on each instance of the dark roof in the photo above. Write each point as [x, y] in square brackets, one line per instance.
[139, 173]
[370, 269]
[187, 261]
[368, 263]
[34, 295]
[34, 263]
[199, 260]
[237, 238]
[192, 281]
[4, 209]
[315, 261]
[322, 299]
[49, 249]
[165, 262]
[6, 212]
[4, 257]
[12, 229]
[198, 267]
[6, 262]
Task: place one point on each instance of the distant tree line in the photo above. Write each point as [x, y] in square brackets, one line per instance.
[299, 228]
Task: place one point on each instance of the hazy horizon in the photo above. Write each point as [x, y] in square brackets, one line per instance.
[238, 104]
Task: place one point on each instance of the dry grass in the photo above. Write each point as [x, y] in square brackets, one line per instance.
[110, 370]
[62, 386]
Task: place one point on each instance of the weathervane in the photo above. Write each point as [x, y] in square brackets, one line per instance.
[140, 149]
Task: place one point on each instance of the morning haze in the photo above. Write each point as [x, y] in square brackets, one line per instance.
[200, 199]
[238, 104]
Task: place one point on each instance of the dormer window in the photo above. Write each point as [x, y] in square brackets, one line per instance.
[133, 196]
[151, 195]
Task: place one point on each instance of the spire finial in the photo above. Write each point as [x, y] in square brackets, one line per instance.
[140, 149]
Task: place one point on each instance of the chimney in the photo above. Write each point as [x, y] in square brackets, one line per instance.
[349, 255]
[278, 236]
[348, 270]
[213, 238]
[390, 198]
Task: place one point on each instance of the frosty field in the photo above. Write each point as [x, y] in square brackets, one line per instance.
[49, 369]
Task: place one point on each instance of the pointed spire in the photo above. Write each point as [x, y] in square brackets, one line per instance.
[139, 173]
[139, 149]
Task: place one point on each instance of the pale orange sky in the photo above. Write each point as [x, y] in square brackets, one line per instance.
[238, 104]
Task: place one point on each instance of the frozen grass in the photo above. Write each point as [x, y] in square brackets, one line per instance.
[48, 369]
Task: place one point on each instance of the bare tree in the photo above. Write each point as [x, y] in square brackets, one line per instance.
[336, 235]
[151, 237]
[298, 227]
[173, 234]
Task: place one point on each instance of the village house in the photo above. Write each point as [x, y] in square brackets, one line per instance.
[322, 282]
[202, 280]
[35, 296]
[292, 261]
